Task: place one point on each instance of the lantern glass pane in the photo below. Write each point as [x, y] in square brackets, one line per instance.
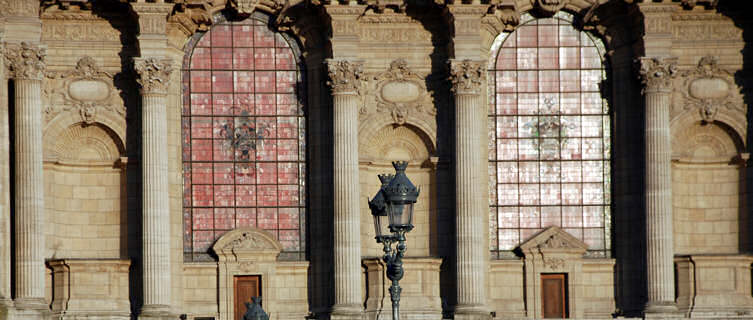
[381, 225]
[401, 214]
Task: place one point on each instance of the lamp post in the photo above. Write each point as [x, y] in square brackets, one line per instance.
[392, 209]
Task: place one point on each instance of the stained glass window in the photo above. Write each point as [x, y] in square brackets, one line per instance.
[243, 137]
[549, 136]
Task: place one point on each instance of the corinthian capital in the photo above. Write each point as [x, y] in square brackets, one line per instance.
[466, 76]
[155, 74]
[345, 76]
[25, 61]
[657, 73]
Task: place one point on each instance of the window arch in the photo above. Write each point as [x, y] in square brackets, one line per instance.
[549, 134]
[243, 131]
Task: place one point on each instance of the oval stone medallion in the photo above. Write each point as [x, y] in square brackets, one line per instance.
[708, 88]
[400, 91]
[88, 90]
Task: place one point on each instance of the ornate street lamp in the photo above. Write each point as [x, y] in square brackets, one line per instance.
[392, 208]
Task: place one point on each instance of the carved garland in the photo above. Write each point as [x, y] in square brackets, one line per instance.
[86, 88]
[155, 74]
[25, 61]
[399, 92]
[345, 76]
[656, 74]
[708, 89]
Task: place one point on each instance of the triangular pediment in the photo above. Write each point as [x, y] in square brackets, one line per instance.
[554, 239]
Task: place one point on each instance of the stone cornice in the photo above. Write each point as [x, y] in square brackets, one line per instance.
[25, 61]
[467, 75]
[657, 73]
[154, 74]
[346, 76]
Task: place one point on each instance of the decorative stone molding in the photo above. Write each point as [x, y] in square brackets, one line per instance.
[25, 61]
[345, 76]
[86, 90]
[709, 89]
[656, 74]
[19, 8]
[154, 74]
[399, 92]
[466, 76]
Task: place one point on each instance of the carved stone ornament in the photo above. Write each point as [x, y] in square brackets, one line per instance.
[553, 239]
[246, 6]
[550, 6]
[246, 239]
[345, 76]
[709, 89]
[25, 61]
[466, 76]
[399, 92]
[85, 89]
[657, 73]
[155, 74]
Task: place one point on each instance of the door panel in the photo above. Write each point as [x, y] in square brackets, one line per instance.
[245, 287]
[553, 298]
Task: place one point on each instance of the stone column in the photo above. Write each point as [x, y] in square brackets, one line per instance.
[656, 75]
[467, 83]
[154, 77]
[26, 65]
[345, 80]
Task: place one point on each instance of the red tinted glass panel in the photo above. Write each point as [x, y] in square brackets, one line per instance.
[243, 147]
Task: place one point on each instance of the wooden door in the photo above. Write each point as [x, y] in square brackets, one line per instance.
[245, 287]
[553, 295]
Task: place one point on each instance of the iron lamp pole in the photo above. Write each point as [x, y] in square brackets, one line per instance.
[392, 209]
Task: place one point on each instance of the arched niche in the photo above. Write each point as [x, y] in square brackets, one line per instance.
[706, 188]
[85, 193]
[405, 143]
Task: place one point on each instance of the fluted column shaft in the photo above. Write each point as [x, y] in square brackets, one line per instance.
[155, 74]
[467, 77]
[26, 63]
[345, 77]
[657, 77]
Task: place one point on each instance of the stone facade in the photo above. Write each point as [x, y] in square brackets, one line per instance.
[100, 125]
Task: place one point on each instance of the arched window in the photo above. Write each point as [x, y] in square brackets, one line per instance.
[243, 137]
[549, 133]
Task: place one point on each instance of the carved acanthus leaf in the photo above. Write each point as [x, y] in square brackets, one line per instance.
[25, 61]
[154, 74]
[346, 76]
[657, 73]
[466, 76]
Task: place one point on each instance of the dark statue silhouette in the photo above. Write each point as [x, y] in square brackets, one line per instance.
[254, 310]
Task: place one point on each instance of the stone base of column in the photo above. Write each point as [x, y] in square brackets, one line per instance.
[472, 312]
[156, 312]
[29, 308]
[347, 312]
[6, 306]
[661, 310]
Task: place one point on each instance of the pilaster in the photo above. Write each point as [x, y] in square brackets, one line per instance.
[656, 75]
[26, 66]
[467, 78]
[345, 81]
